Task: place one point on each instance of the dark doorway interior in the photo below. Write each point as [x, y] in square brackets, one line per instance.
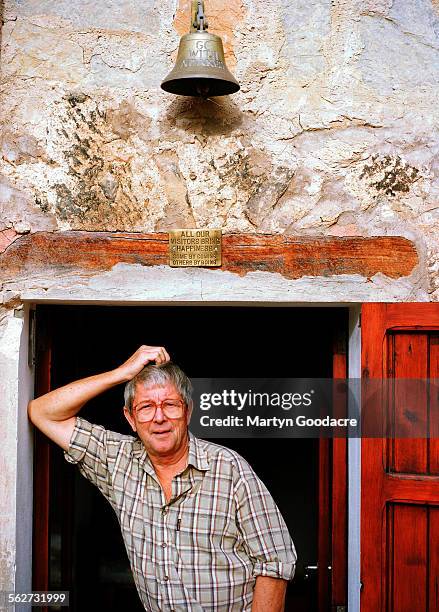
[87, 554]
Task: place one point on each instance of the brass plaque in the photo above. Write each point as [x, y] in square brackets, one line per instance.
[194, 247]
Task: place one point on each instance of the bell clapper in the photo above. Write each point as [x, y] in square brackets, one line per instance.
[203, 90]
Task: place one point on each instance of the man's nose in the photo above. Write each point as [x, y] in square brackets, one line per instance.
[159, 415]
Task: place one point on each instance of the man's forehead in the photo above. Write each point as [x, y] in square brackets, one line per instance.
[145, 391]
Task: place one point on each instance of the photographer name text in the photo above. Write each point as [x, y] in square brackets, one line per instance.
[280, 423]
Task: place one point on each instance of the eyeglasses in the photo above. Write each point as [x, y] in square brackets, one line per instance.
[171, 408]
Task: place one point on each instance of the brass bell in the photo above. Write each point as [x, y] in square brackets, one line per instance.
[200, 69]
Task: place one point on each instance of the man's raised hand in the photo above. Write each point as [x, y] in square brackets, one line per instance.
[142, 357]
[54, 413]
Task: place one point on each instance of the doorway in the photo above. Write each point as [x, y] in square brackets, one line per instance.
[77, 527]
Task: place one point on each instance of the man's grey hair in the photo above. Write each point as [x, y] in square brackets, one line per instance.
[159, 376]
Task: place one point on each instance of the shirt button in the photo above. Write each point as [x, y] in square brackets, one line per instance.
[165, 510]
[164, 544]
[166, 578]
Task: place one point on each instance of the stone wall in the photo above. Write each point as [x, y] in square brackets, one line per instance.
[334, 131]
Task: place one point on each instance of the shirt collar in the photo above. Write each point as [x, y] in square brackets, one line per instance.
[197, 454]
[197, 457]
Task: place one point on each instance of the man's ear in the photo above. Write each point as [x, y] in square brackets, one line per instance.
[129, 418]
[190, 407]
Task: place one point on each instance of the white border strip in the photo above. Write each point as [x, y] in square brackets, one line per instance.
[25, 463]
[354, 472]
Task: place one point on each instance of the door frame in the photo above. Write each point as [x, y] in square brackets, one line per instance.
[24, 565]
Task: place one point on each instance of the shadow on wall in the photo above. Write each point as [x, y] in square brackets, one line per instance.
[211, 117]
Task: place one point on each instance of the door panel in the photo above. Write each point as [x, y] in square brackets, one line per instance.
[433, 559]
[408, 358]
[400, 484]
[434, 407]
[407, 556]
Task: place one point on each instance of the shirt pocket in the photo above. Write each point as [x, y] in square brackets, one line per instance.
[202, 535]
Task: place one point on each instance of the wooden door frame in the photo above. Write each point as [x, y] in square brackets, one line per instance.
[42, 452]
[332, 475]
[332, 488]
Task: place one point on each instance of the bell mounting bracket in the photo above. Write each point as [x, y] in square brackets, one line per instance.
[198, 17]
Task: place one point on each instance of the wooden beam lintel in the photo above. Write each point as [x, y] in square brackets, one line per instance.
[292, 257]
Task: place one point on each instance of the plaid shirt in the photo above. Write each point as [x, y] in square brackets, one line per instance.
[204, 548]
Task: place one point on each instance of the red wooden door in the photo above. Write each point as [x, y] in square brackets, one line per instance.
[400, 477]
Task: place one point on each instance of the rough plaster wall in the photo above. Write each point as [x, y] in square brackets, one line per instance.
[334, 130]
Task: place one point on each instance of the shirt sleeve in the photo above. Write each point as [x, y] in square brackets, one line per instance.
[265, 534]
[93, 448]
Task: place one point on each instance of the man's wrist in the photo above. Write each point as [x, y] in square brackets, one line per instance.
[118, 376]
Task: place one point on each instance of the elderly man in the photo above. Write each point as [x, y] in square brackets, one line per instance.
[200, 529]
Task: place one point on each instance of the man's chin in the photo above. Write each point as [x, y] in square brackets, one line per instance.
[160, 442]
